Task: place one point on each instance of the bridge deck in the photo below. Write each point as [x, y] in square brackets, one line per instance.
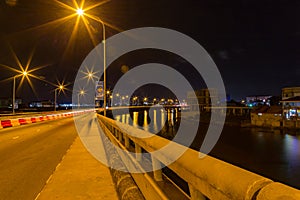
[79, 176]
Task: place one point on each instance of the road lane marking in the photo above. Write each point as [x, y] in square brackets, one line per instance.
[56, 168]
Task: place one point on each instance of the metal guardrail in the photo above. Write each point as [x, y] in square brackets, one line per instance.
[207, 177]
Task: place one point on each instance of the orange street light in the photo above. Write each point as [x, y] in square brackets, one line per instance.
[60, 88]
[80, 93]
[80, 12]
[24, 73]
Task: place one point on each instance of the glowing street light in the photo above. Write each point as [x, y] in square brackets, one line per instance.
[80, 93]
[80, 12]
[24, 73]
[60, 88]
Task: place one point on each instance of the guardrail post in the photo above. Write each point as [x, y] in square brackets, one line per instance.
[117, 133]
[126, 141]
[113, 130]
[156, 166]
[138, 152]
[196, 194]
[120, 136]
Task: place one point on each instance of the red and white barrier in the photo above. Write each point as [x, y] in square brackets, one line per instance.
[28, 120]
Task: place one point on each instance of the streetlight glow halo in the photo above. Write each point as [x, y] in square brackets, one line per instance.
[80, 11]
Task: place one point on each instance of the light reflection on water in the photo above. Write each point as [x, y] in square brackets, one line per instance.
[270, 153]
[292, 151]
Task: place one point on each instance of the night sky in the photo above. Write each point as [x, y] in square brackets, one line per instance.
[254, 43]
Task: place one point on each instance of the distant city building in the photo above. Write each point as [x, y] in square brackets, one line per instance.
[291, 108]
[267, 116]
[290, 92]
[41, 104]
[202, 98]
[6, 103]
[256, 100]
[291, 102]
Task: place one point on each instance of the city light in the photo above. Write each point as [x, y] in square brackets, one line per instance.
[90, 74]
[80, 93]
[60, 88]
[80, 11]
[23, 72]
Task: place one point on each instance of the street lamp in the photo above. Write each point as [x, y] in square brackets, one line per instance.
[80, 12]
[80, 93]
[24, 73]
[60, 88]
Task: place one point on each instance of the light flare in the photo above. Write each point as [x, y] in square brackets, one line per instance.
[23, 71]
[90, 74]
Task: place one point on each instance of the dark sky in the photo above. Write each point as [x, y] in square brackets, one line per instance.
[254, 43]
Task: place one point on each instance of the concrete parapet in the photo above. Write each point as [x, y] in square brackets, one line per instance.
[278, 191]
[207, 177]
[125, 185]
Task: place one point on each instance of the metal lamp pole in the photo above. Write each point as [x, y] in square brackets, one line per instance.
[104, 64]
[78, 100]
[55, 98]
[14, 95]
[24, 73]
[80, 12]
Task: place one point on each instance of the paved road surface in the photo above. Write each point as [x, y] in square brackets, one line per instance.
[29, 155]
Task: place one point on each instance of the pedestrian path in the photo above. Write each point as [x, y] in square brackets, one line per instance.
[79, 176]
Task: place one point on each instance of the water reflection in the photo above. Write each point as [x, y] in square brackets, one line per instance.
[135, 119]
[155, 127]
[157, 121]
[145, 125]
[292, 149]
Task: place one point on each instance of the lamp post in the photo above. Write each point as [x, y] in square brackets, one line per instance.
[80, 12]
[79, 94]
[14, 95]
[104, 63]
[61, 87]
[24, 73]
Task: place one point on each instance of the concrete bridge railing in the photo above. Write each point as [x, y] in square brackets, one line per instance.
[207, 178]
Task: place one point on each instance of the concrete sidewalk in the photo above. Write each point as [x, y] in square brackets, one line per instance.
[79, 176]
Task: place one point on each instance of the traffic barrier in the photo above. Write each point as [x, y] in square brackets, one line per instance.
[6, 123]
[33, 119]
[23, 121]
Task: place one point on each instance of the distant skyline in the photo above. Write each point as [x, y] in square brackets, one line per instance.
[254, 43]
